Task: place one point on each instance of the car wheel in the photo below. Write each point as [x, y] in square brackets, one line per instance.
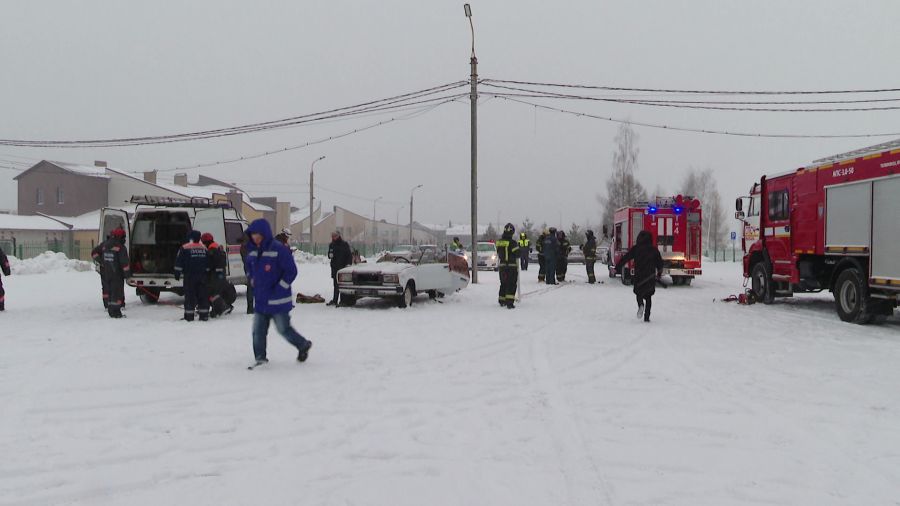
[409, 293]
[851, 296]
[762, 283]
[149, 295]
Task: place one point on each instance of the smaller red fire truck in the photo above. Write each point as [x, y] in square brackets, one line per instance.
[833, 225]
[675, 225]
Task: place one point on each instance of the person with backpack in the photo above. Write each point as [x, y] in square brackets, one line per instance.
[4, 266]
[271, 270]
[648, 266]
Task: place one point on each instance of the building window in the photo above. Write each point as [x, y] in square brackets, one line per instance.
[39, 198]
[60, 195]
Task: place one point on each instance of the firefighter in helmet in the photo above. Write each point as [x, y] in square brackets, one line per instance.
[524, 250]
[539, 246]
[508, 256]
[589, 248]
[562, 263]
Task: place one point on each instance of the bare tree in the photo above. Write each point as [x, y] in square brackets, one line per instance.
[702, 185]
[622, 188]
[490, 234]
[575, 234]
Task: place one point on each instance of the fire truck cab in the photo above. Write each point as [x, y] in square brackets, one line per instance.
[675, 224]
[833, 225]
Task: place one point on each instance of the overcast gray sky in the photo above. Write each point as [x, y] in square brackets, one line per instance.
[93, 69]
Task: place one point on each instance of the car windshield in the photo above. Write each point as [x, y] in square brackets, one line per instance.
[403, 248]
[486, 247]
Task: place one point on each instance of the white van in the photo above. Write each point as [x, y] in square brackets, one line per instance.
[157, 229]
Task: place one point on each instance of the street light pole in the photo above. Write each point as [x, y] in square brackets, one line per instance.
[411, 212]
[311, 166]
[473, 100]
[375, 221]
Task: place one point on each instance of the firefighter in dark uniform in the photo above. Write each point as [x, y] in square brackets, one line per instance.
[218, 305]
[562, 263]
[551, 253]
[507, 261]
[589, 248]
[115, 268]
[541, 260]
[524, 250]
[192, 262]
[4, 266]
[97, 257]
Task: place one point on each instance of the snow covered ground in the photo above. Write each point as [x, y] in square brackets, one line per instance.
[567, 400]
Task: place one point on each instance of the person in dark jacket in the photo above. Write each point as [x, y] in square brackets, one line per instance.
[524, 250]
[539, 246]
[217, 283]
[648, 266]
[192, 263]
[116, 267]
[562, 263]
[284, 237]
[507, 258]
[245, 245]
[589, 248]
[4, 267]
[551, 254]
[271, 269]
[341, 256]
[97, 257]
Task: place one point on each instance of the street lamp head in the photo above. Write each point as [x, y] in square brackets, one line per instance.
[468, 10]
[321, 157]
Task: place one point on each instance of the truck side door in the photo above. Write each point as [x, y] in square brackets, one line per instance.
[776, 228]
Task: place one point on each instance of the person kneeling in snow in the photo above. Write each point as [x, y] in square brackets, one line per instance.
[648, 267]
[4, 266]
[271, 269]
[217, 284]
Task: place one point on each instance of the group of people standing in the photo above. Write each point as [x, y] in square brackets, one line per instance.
[553, 249]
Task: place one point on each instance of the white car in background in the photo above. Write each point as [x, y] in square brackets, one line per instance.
[487, 257]
[429, 270]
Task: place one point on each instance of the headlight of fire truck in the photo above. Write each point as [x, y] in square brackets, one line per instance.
[391, 279]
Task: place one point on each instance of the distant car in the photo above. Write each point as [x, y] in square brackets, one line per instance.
[487, 257]
[576, 256]
[603, 254]
[429, 271]
[403, 251]
[533, 255]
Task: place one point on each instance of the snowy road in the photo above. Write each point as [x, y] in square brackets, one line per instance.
[567, 400]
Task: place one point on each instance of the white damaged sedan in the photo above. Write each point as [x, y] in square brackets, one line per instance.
[428, 270]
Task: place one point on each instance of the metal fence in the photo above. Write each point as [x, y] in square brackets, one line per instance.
[25, 250]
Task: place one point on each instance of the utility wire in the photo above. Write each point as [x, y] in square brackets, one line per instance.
[376, 105]
[528, 93]
[319, 141]
[701, 92]
[699, 130]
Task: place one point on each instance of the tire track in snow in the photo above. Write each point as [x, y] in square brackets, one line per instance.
[585, 484]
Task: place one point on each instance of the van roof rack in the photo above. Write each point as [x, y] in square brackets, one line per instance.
[195, 202]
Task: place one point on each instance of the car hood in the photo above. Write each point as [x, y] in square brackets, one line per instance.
[384, 267]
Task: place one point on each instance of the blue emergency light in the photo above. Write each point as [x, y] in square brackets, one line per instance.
[677, 209]
[652, 210]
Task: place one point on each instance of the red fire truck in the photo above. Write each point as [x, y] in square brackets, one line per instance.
[833, 225]
[675, 225]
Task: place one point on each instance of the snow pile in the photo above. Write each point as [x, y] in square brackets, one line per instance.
[302, 257]
[47, 261]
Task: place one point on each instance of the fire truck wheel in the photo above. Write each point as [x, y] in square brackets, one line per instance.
[626, 277]
[149, 298]
[686, 281]
[762, 283]
[851, 297]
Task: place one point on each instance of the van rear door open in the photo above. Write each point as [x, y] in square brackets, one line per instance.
[211, 220]
[111, 219]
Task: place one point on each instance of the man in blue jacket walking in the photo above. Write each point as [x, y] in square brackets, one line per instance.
[271, 269]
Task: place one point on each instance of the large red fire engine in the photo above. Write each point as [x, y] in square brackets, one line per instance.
[834, 225]
[675, 225]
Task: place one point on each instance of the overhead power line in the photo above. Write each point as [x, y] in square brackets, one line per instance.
[381, 105]
[689, 91]
[531, 93]
[700, 130]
